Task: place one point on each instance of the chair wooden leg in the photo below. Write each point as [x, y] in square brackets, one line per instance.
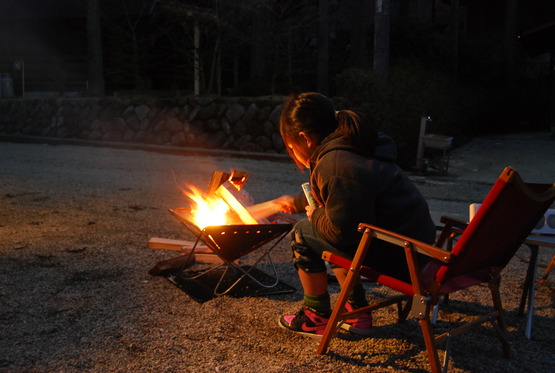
[336, 315]
[403, 311]
[431, 349]
[548, 269]
[346, 287]
[496, 297]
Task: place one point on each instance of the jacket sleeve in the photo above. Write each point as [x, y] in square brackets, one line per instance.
[346, 204]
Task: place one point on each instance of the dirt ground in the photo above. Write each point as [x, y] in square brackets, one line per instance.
[75, 293]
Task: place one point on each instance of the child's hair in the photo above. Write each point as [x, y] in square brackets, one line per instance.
[315, 113]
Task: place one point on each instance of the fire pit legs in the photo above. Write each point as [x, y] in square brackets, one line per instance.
[248, 272]
[231, 242]
[241, 270]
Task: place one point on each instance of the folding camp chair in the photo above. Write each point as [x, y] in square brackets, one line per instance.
[483, 249]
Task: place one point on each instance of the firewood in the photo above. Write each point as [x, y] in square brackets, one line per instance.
[203, 254]
[231, 196]
[175, 245]
[218, 178]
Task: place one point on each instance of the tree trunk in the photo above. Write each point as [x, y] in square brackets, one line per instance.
[94, 45]
[214, 84]
[359, 56]
[509, 47]
[381, 36]
[424, 11]
[260, 48]
[322, 84]
[455, 35]
[196, 58]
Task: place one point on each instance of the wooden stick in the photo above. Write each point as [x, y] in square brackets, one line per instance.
[235, 205]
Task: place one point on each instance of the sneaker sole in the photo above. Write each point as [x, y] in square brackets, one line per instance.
[357, 331]
[311, 335]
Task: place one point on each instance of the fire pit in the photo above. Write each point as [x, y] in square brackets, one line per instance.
[248, 228]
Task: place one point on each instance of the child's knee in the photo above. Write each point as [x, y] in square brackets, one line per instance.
[305, 259]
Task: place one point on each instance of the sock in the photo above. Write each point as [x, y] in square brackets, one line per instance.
[320, 304]
[358, 297]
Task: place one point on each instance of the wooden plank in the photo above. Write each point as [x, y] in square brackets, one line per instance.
[218, 178]
[176, 245]
[208, 258]
[224, 192]
[203, 254]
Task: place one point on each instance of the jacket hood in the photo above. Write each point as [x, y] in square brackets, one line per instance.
[385, 149]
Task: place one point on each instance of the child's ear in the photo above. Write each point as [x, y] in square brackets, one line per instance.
[311, 140]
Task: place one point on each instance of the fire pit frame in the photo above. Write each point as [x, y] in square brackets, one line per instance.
[231, 242]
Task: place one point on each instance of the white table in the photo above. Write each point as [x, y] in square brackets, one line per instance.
[534, 241]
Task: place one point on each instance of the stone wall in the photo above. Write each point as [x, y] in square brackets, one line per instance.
[242, 124]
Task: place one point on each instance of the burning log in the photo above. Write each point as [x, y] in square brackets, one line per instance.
[229, 194]
[218, 178]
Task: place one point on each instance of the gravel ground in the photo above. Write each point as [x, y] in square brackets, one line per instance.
[75, 293]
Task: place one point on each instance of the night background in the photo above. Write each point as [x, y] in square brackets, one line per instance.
[110, 108]
[476, 67]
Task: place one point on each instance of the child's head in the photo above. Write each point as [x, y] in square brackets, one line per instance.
[307, 118]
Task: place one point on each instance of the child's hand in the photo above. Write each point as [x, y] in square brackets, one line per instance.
[309, 211]
[286, 203]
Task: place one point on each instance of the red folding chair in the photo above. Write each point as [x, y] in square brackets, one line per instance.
[483, 248]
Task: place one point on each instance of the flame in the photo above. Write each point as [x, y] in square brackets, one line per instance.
[208, 211]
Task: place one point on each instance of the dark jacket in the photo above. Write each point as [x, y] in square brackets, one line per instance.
[353, 187]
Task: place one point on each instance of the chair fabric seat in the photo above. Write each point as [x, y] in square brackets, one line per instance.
[428, 275]
[373, 276]
[452, 284]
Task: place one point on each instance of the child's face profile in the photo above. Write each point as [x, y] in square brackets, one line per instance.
[302, 148]
[300, 154]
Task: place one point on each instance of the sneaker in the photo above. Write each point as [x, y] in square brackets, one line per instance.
[305, 322]
[361, 325]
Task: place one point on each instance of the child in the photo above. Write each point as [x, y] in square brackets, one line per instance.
[354, 179]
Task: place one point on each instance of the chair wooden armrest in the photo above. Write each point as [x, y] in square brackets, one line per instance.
[402, 241]
[452, 228]
[454, 222]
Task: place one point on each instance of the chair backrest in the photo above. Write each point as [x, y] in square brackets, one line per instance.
[546, 224]
[506, 217]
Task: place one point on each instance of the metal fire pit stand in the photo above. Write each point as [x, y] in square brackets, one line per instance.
[231, 242]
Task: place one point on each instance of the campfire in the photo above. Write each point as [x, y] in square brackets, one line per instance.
[226, 203]
[227, 226]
